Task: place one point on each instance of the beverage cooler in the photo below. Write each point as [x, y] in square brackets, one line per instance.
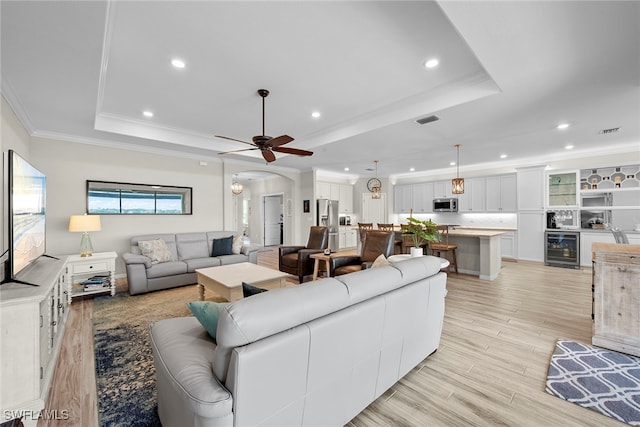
[562, 249]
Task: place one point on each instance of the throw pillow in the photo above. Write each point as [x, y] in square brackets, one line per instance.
[207, 313]
[222, 246]
[236, 248]
[249, 290]
[381, 261]
[156, 250]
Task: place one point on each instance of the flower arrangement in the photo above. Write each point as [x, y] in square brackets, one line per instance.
[421, 231]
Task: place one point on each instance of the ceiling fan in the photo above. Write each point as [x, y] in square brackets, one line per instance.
[267, 144]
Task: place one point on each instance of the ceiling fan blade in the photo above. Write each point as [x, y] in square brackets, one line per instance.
[237, 151]
[295, 151]
[279, 140]
[233, 139]
[268, 156]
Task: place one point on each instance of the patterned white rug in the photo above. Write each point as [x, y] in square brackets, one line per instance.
[596, 378]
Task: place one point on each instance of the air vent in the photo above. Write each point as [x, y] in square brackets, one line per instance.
[608, 131]
[428, 119]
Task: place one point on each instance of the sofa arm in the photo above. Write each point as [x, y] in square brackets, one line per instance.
[251, 251]
[344, 260]
[284, 250]
[130, 258]
[305, 254]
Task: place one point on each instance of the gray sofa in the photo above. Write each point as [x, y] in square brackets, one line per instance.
[315, 354]
[188, 250]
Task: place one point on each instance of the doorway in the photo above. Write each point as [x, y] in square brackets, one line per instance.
[273, 219]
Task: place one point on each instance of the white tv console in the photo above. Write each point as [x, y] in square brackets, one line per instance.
[32, 320]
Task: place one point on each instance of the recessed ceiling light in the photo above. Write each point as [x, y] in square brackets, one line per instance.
[412, 169]
[452, 164]
[315, 114]
[178, 63]
[503, 156]
[568, 147]
[431, 63]
[346, 169]
[147, 113]
[563, 125]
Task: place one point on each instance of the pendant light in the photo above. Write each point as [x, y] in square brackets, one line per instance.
[457, 183]
[236, 187]
[376, 185]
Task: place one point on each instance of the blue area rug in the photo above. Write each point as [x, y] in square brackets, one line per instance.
[125, 373]
[596, 378]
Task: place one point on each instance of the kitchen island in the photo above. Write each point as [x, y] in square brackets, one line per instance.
[478, 251]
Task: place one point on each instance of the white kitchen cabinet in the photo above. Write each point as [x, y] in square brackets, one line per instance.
[347, 238]
[530, 188]
[345, 198]
[531, 236]
[500, 193]
[442, 189]
[334, 191]
[403, 198]
[323, 190]
[587, 238]
[33, 320]
[508, 247]
[562, 189]
[423, 197]
[473, 199]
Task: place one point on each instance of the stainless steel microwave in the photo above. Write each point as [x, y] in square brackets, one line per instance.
[445, 205]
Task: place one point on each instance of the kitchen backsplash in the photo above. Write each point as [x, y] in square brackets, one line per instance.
[493, 220]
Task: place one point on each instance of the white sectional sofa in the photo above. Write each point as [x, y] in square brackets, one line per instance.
[315, 354]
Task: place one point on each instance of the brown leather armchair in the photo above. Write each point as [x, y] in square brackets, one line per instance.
[296, 259]
[375, 243]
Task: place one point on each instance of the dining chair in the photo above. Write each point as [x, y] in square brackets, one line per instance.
[446, 248]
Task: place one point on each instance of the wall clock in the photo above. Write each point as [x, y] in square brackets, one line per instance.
[373, 182]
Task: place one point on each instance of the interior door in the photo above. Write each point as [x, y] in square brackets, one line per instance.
[273, 219]
[374, 210]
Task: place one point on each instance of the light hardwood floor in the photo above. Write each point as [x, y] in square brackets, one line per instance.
[490, 368]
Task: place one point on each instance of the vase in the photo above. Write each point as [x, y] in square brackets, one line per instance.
[416, 251]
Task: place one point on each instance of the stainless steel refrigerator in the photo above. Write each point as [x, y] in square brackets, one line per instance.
[327, 215]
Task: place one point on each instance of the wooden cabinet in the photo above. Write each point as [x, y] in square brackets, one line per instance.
[403, 198]
[422, 195]
[500, 193]
[616, 297]
[530, 189]
[347, 238]
[33, 320]
[531, 236]
[508, 249]
[346, 198]
[323, 190]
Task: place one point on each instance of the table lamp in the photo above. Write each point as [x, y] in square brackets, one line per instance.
[84, 224]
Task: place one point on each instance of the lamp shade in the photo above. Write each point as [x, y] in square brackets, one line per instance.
[84, 223]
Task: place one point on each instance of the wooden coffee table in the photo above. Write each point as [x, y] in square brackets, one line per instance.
[226, 280]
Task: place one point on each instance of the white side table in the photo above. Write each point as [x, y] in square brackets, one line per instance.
[81, 269]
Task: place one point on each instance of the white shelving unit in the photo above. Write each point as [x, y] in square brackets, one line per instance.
[80, 269]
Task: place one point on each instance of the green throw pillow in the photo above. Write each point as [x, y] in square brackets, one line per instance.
[207, 313]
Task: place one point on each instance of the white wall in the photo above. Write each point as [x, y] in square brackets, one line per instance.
[69, 165]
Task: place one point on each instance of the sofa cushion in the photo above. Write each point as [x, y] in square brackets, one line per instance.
[250, 290]
[170, 268]
[232, 259]
[192, 245]
[222, 246]
[156, 250]
[207, 313]
[192, 264]
[236, 248]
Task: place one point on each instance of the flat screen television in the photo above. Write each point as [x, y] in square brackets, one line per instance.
[27, 188]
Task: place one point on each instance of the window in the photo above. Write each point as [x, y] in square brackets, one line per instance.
[120, 198]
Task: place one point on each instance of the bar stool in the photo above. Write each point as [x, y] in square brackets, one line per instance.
[437, 249]
[363, 227]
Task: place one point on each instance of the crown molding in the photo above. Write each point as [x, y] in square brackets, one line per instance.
[12, 100]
